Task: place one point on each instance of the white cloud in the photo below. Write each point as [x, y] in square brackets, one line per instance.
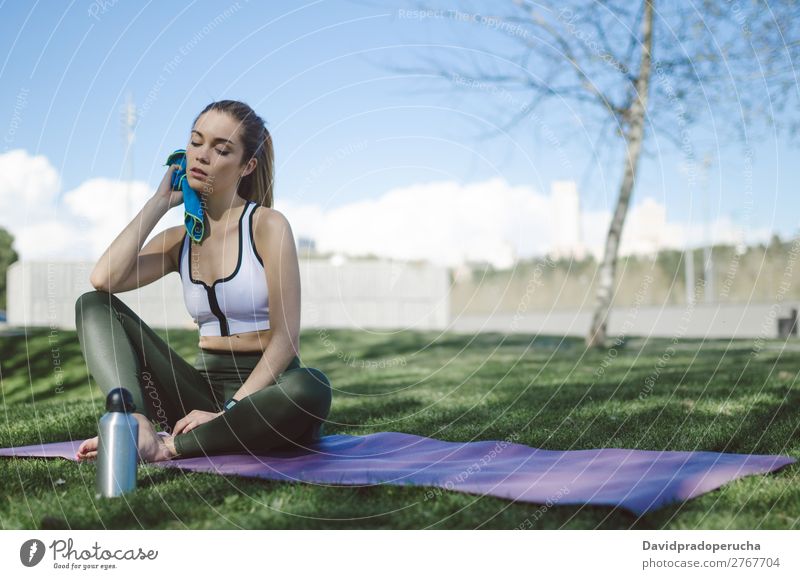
[647, 230]
[85, 223]
[27, 180]
[443, 222]
[100, 206]
[448, 223]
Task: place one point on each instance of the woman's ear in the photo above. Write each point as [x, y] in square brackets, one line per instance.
[251, 166]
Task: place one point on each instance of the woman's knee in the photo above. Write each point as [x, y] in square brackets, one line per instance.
[101, 302]
[309, 388]
[91, 300]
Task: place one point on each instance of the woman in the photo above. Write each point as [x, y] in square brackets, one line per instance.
[246, 391]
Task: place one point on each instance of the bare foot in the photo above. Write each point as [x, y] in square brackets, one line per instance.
[151, 446]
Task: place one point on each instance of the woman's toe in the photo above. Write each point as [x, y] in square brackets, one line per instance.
[88, 448]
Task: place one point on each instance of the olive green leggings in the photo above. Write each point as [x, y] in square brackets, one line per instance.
[122, 351]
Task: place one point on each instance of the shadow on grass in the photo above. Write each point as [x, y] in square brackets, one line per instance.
[696, 403]
[44, 365]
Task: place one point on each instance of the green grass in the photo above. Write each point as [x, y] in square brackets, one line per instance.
[547, 392]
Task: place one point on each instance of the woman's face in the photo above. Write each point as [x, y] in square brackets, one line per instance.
[215, 148]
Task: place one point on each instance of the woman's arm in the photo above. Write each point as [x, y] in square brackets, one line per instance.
[119, 259]
[275, 241]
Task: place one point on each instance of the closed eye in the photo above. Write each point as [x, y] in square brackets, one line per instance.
[223, 153]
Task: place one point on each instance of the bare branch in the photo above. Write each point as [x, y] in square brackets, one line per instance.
[569, 55]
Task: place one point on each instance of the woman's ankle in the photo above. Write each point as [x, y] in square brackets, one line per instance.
[142, 418]
[169, 442]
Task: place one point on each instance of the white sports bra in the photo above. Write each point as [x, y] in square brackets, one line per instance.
[234, 304]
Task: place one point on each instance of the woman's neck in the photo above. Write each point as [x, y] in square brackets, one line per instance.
[219, 208]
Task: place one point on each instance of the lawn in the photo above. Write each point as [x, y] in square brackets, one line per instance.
[725, 396]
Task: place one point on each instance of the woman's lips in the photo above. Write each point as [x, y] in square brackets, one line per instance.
[198, 173]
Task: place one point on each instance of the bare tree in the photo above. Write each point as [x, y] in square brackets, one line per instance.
[642, 69]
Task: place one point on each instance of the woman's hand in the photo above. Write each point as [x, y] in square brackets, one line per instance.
[165, 194]
[192, 420]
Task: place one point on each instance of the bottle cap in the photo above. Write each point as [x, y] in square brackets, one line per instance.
[120, 400]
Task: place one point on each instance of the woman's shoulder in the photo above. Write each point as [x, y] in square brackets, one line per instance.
[174, 235]
[267, 217]
[268, 224]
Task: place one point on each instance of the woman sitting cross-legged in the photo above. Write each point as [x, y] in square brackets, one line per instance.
[246, 391]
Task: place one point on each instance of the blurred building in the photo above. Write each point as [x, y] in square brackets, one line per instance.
[566, 241]
[306, 247]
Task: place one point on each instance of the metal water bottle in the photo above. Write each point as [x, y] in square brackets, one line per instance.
[117, 450]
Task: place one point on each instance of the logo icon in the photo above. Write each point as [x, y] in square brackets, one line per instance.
[31, 552]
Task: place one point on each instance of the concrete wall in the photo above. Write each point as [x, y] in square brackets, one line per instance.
[355, 294]
[383, 295]
[698, 321]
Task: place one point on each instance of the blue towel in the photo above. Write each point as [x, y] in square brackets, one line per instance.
[193, 210]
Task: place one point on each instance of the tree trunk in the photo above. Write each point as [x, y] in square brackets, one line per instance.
[608, 268]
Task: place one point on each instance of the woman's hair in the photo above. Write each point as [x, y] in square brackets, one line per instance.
[257, 142]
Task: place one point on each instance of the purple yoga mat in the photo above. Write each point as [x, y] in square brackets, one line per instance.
[637, 480]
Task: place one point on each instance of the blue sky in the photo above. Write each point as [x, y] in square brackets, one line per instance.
[346, 129]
